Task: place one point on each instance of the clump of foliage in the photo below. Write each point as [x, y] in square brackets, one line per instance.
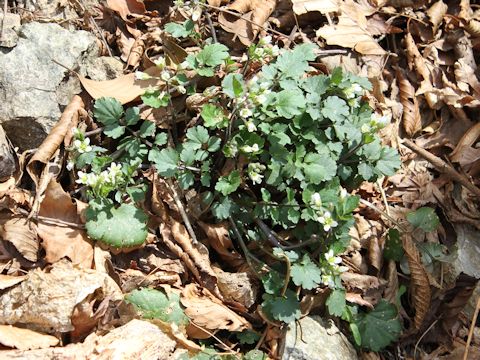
[278, 146]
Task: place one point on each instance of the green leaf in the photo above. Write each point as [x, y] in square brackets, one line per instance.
[247, 337]
[319, 168]
[198, 136]
[108, 110]
[155, 100]
[147, 129]
[161, 139]
[365, 171]
[233, 85]
[188, 153]
[132, 116]
[180, 30]
[389, 161]
[166, 161]
[424, 218]
[114, 131]
[186, 179]
[213, 144]
[393, 246]
[212, 55]
[336, 303]
[255, 355]
[294, 63]
[224, 208]
[306, 273]
[379, 327]
[272, 282]
[122, 227]
[283, 308]
[213, 116]
[335, 109]
[289, 103]
[228, 184]
[156, 304]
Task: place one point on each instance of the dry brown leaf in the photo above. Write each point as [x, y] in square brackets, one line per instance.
[7, 281]
[219, 239]
[46, 300]
[360, 281]
[347, 33]
[324, 6]
[257, 11]
[411, 120]
[24, 339]
[208, 312]
[237, 287]
[357, 299]
[54, 139]
[67, 239]
[420, 285]
[22, 234]
[465, 76]
[125, 88]
[391, 291]
[415, 4]
[8, 156]
[465, 153]
[436, 12]
[126, 7]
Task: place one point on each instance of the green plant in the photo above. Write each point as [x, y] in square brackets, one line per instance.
[277, 150]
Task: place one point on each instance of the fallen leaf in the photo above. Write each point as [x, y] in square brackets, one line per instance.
[22, 234]
[347, 33]
[324, 6]
[237, 287]
[219, 239]
[45, 300]
[54, 139]
[64, 236]
[7, 281]
[411, 119]
[126, 7]
[208, 312]
[436, 12]
[24, 339]
[420, 285]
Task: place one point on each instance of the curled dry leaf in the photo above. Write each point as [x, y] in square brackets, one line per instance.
[436, 12]
[208, 312]
[7, 281]
[324, 6]
[391, 291]
[219, 239]
[421, 292]
[411, 118]
[237, 287]
[63, 235]
[465, 153]
[22, 234]
[46, 300]
[257, 11]
[24, 339]
[54, 139]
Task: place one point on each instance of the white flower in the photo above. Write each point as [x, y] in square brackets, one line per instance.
[246, 113]
[184, 65]
[105, 177]
[92, 179]
[343, 193]
[265, 40]
[255, 177]
[275, 51]
[82, 178]
[353, 91]
[260, 99]
[139, 75]
[379, 121]
[181, 89]
[259, 52]
[165, 75]
[327, 221]
[70, 165]
[316, 200]
[365, 128]
[331, 258]
[251, 126]
[255, 172]
[82, 146]
[197, 12]
[250, 149]
[328, 280]
[160, 62]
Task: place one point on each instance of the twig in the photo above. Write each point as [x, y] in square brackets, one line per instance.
[262, 339]
[181, 209]
[268, 233]
[442, 166]
[241, 17]
[384, 197]
[53, 221]
[215, 337]
[421, 337]
[470, 332]
[287, 275]
[94, 132]
[212, 28]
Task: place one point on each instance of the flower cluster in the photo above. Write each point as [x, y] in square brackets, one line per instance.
[167, 75]
[255, 171]
[102, 183]
[324, 217]
[376, 123]
[263, 49]
[80, 145]
[331, 269]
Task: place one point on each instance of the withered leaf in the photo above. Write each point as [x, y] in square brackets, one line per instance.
[22, 234]
[24, 339]
[411, 119]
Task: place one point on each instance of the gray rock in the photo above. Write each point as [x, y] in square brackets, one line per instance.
[30, 80]
[103, 68]
[317, 339]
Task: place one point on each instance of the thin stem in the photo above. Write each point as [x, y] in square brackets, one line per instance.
[394, 221]
[94, 132]
[181, 209]
[351, 151]
[212, 28]
[172, 114]
[268, 233]
[287, 275]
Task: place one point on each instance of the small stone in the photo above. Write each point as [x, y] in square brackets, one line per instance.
[316, 339]
[11, 22]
